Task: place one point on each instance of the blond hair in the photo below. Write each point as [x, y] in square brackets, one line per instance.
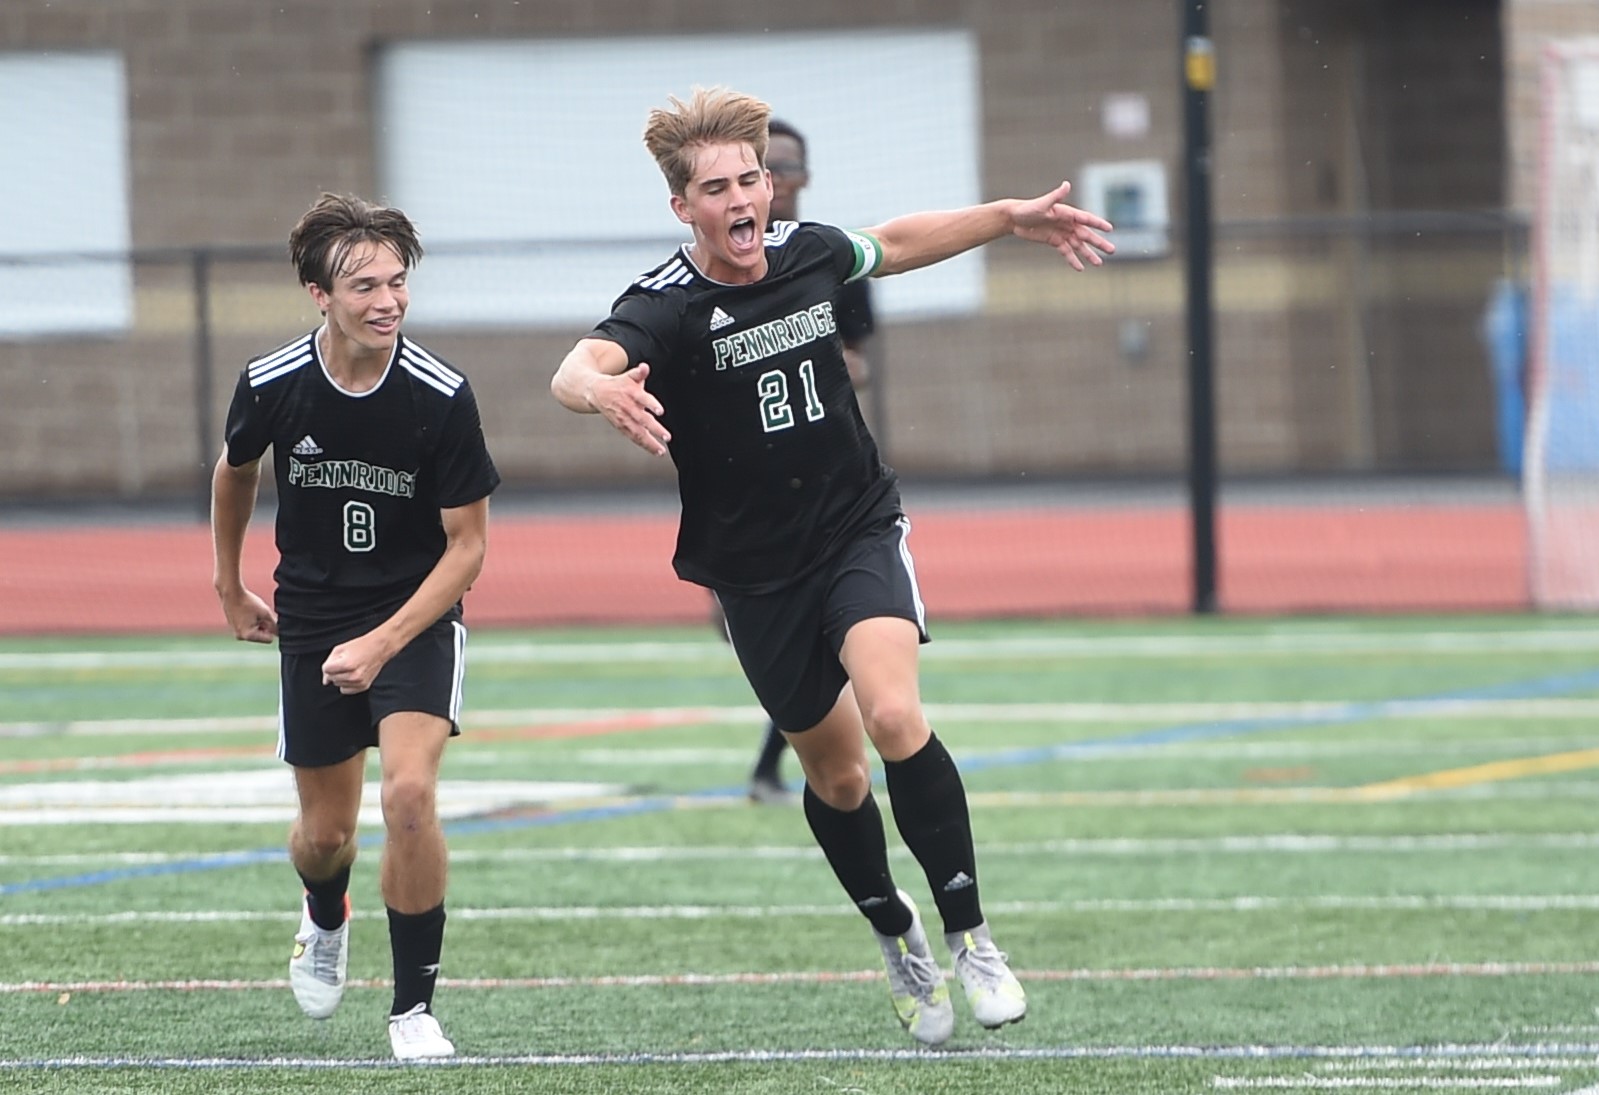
[712, 116]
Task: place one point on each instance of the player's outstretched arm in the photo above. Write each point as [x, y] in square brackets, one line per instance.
[921, 239]
[594, 379]
[233, 492]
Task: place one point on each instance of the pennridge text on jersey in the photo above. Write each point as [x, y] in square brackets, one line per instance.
[352, 473]
[770, 339]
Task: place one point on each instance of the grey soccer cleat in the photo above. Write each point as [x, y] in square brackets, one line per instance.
[915, 982]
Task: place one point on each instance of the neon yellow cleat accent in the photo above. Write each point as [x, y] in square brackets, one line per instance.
[915, 982]
[995, 996]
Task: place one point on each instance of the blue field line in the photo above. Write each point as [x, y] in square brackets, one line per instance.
[1540, 687]
[1339, 714]
[150, 870]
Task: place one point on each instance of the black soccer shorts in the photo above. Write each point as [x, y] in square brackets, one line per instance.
[788, 642]
[318, 725]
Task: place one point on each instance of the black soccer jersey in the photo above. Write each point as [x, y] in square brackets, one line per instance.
[775, 467]
[854, 306]
[361, 479]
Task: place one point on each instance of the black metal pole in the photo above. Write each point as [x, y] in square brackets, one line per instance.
[1199, 77]
[201, 271]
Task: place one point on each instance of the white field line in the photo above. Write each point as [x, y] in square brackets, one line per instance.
[93, 809]
[264, 795]
[1560, 1028]
[1295, 643]
[761, 1056]
[1091, 713]
[1286, 796]
[1270, 844]
[1495, 1062]
[1516, 903]
[1382, 1083]
[815, 977]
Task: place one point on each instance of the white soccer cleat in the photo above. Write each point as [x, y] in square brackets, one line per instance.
[915, 983]
[991, 988]
[416, 1036]
[770, 791]
[318, 963]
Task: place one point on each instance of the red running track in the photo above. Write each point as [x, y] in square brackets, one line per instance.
[553, 570]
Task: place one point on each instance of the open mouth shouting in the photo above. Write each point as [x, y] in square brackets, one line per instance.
[744, 235]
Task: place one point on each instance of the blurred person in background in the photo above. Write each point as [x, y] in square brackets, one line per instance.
[727, 356]
[787, 161]
[383, 483]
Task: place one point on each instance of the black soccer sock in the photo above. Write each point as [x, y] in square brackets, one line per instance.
[857, 849]
[772, 747]
[416, 939]
[929, 804]
[325, 899]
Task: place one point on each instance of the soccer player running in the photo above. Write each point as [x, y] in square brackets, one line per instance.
[383, 484]
[788, 163]
[727, 356]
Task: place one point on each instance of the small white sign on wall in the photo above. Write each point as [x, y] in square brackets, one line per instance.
[1131, 194]
[1125, 114]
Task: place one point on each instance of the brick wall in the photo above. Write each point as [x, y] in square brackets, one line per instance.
[241, 111]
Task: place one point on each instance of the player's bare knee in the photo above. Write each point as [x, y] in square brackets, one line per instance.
[843, 787]
[325, 843]
[408, 801]
[896, 725]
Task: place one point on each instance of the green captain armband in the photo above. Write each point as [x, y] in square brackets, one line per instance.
[868, 255]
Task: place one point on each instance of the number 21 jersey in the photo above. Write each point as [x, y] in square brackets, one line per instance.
[776, 468]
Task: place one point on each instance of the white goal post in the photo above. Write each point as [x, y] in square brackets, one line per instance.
[1560, 465]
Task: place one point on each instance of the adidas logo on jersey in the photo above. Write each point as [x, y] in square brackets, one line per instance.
[306, 446]
[720, 319]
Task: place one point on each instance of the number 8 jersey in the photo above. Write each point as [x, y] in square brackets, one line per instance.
[775, 466]
[361, 477]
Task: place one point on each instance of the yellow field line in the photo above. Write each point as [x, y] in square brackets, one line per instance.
[1484, 773]
[1386, 790]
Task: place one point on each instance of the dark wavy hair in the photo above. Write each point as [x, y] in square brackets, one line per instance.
[320, 243]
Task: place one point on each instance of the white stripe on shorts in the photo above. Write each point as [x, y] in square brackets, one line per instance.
[283, 737]
[457, 686]
[904, 524]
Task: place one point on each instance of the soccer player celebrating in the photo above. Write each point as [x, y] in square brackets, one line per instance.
[727, 356]
[787, 163]
[383, 484]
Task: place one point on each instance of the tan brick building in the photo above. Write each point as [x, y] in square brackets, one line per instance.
[1337, 350]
